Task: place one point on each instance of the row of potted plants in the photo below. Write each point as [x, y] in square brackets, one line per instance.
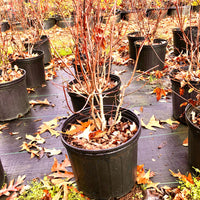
[109, 133]
[184, 79]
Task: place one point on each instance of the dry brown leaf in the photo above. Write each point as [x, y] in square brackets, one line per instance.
[60, 167]
[152, 123]
[13, 186]
[159, 93]
[183, 177]
[49, 126]
[170, 121]
[37, 139]
[40, 102]
[29, 90]
[52, 152]
[144, 177]
[3, 126]
[60, 170]
[185, 142]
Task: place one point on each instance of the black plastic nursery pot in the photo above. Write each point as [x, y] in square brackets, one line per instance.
[124, 15]
[49, 23]
[5, 26]
[14, 99]
[65, 22]
[103, 174]
[2, 175]
[179, 112]
[193, 138]
[34, 67]
[172, 11]
[178, 41]
[178, 38]
[152, 55]
[195, 8]
[154, 13]
[43, 45]
[110, 96]
[17, 26]
[184, 10]
[132, 37]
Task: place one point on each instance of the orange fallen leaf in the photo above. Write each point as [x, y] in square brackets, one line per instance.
[158, 74]
[181, 91]
[184, 104]
[60, 170]
[183, 177]
[185, 142]
[159, 93]
[13, 186]
[144, 177]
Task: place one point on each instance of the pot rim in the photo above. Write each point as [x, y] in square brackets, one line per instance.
[113, 149]
[163, 42]
[41, 53]
[106, 91]
[13, 82]
[177, 80]
[189, 108]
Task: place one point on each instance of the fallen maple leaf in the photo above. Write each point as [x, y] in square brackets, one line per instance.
[52, 152]
[49, 126]
[39, 102]
[185, 142]
[159, 93]
[170, 121]
[13, 186]
[60, 167]
[183, 177]
[37, 139]
[60, 170]
[144, 177]
[152, 123]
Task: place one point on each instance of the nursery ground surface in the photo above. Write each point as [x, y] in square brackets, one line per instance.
[159, 149]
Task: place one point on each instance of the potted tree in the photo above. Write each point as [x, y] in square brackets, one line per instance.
[184, 77]
[153, 50]
[37, 40]
[14, 97]
[182, 7]
[31, 61]
[102, 170]
[192, 119]
[195, 5]
[157, 9]
[65, 16]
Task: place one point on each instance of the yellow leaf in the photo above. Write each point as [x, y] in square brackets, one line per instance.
[190, 90]
[52, 152]
[49, 126]
[170, 122]
[37, 139]
[39, 102]
[152, 123]
[147, 127]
